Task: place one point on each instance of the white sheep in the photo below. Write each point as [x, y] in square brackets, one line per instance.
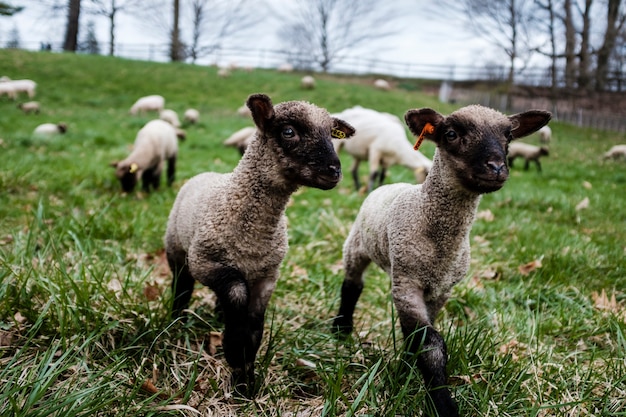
[229, 231]
[244, 111]
[381, 84]
[616, 152]
[23, 86]
[170, 116]
[241, 138]
[155, 144]
[223, 72]
[29, 107]
[148, 103]
[545, 135]
[50, 129]
[191, 116]
[285, 67]
[381, 139]
[528, 152]
[307, 82]
[419, 234]
[6, 89]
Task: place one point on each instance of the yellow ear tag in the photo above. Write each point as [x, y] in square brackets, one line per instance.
[428, 129]
[133, 168]
[337, 134]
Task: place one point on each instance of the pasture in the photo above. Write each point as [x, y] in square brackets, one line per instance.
[537, 328]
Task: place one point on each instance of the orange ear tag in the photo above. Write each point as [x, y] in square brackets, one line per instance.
[428, 129]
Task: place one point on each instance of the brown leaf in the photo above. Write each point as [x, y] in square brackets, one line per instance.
[583, 204]
[602, 301]
[151, 292]
[529, 267]
[485, 215]
[215, 341]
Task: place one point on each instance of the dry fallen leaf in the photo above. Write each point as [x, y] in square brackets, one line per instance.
[583, 204]
[602, 301]
[587, 185]
[215, 341]
[529, 267]
[485, 215]
[151, 292]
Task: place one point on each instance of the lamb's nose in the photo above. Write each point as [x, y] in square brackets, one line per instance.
[497, 167]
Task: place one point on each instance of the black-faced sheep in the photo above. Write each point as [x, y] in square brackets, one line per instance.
[380, 139]
[229, 232]
[29, 107]
[148, 103]
[50, 129]
[616, 152]
[528, 152]
[419, 234]
[241, 138]
[156, 143]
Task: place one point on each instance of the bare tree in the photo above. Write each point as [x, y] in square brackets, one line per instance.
[325, 30]
[8, 10]
[216, 21]
[71, 31]
[616, 19]
[110, 10]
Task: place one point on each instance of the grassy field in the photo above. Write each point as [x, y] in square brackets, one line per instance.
[538, 328]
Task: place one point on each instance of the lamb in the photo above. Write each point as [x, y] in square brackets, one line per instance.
[307, 82]
[170, 116]
[241, 138]
[155, 144]
[419, 234]
[7, 89]
[229, 231]
[616, 152]
[50, 129]
[528, 152]
[381, 84]
[191, 116]
[380, 139]
[148, 103]
[23, 86]
[545, 135]
[29, 107]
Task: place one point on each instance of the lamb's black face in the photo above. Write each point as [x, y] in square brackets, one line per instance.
[308, 156]
[477, 154]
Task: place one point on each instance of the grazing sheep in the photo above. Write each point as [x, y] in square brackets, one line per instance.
[191, 116]
[229, 232]
[528, 152]
[616, 152]
[29, 107]
[307, 82]
[50, 129]
[285, 67]
[381, 84]
[380, 138]
[419, 234]
[148, 103]
[22, 86]
[545, 135]
[244, 111]
[155, 144]
[170, 116]
[7, 89]
[241, 138]
[223, 72]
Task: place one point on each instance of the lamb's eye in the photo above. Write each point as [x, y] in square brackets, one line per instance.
[288, 132]
[451, 135]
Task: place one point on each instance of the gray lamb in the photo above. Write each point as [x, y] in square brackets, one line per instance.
[229, 231]
[419, 234]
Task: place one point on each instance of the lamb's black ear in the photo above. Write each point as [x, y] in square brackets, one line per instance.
[528, 122]
[342, 129]
[262, 110]
[418, 119]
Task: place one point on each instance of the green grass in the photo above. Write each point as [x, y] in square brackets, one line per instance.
[84, 290]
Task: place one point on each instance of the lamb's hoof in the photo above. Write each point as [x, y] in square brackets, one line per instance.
[342, 327]
[244, 383]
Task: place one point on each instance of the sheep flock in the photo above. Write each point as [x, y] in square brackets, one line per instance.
[228, 231]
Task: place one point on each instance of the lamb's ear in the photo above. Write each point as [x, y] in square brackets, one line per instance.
[523, 124]
[341, 129]
[262, 110]
[418, 120]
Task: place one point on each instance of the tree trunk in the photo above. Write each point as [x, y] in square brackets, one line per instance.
[570, 45]
[610, 36]
[175, 47]
[584, 63]
[71, 30]
[112, 28]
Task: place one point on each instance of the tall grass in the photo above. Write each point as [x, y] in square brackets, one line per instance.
[84, 287]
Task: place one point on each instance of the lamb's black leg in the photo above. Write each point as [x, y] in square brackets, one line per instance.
[526, 165]
[171, 171]
[350, 292]
[382, 174]
[182, 286]
[240, 349]
[538, 165]
[355, 174]
[432, 358]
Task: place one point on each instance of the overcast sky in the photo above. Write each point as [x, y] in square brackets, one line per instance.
[421, 39]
